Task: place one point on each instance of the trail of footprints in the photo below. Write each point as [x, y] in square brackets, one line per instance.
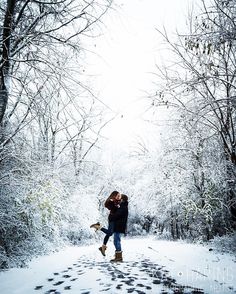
[140, 277]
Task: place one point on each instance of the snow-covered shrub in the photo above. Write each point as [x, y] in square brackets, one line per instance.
[225, 243]
[33, 200]
[82, 211]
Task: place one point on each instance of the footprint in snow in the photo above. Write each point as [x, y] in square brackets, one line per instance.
[52, 291]
[74, 279]
[58, 283]
[38, 287]
[66, 276]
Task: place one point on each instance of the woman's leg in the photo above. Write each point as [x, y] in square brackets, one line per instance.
[108, 232]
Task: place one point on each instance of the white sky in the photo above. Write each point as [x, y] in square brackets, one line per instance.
[126, 54]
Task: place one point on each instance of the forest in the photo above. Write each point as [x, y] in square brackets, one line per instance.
[53, 178]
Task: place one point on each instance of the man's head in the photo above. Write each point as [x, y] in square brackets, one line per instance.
[124, 198]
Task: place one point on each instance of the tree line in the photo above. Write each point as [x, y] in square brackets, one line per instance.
[199, 89]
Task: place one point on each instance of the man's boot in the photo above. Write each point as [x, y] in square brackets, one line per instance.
[118, 257]
[103, 249]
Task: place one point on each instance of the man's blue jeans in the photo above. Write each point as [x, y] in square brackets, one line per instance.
[108, 232]
[117, 242]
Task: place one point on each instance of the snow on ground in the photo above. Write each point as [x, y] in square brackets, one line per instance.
[150, 266]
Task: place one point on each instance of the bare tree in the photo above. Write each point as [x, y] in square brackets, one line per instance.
[30, 29]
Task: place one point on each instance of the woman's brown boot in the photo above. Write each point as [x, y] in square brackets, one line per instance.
[96, 226]
[103, 249]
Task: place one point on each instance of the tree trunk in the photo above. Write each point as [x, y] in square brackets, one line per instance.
[177, 229]
[5, 58]
[232, 200]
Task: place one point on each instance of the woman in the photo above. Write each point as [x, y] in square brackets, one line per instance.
[119, 218]
[112, 204]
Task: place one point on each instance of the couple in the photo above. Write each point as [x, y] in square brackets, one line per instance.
[117, 220]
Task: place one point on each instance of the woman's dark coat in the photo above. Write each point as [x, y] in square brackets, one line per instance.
[112, 205]
[120, 218]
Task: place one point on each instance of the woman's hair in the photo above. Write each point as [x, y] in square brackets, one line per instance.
[124, 197]
[113, 195]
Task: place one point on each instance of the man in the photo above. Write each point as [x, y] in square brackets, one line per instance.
[120, 224]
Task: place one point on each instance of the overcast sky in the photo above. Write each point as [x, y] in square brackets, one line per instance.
[126, 55]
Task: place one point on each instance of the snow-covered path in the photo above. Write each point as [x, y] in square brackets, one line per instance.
[149, 267]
